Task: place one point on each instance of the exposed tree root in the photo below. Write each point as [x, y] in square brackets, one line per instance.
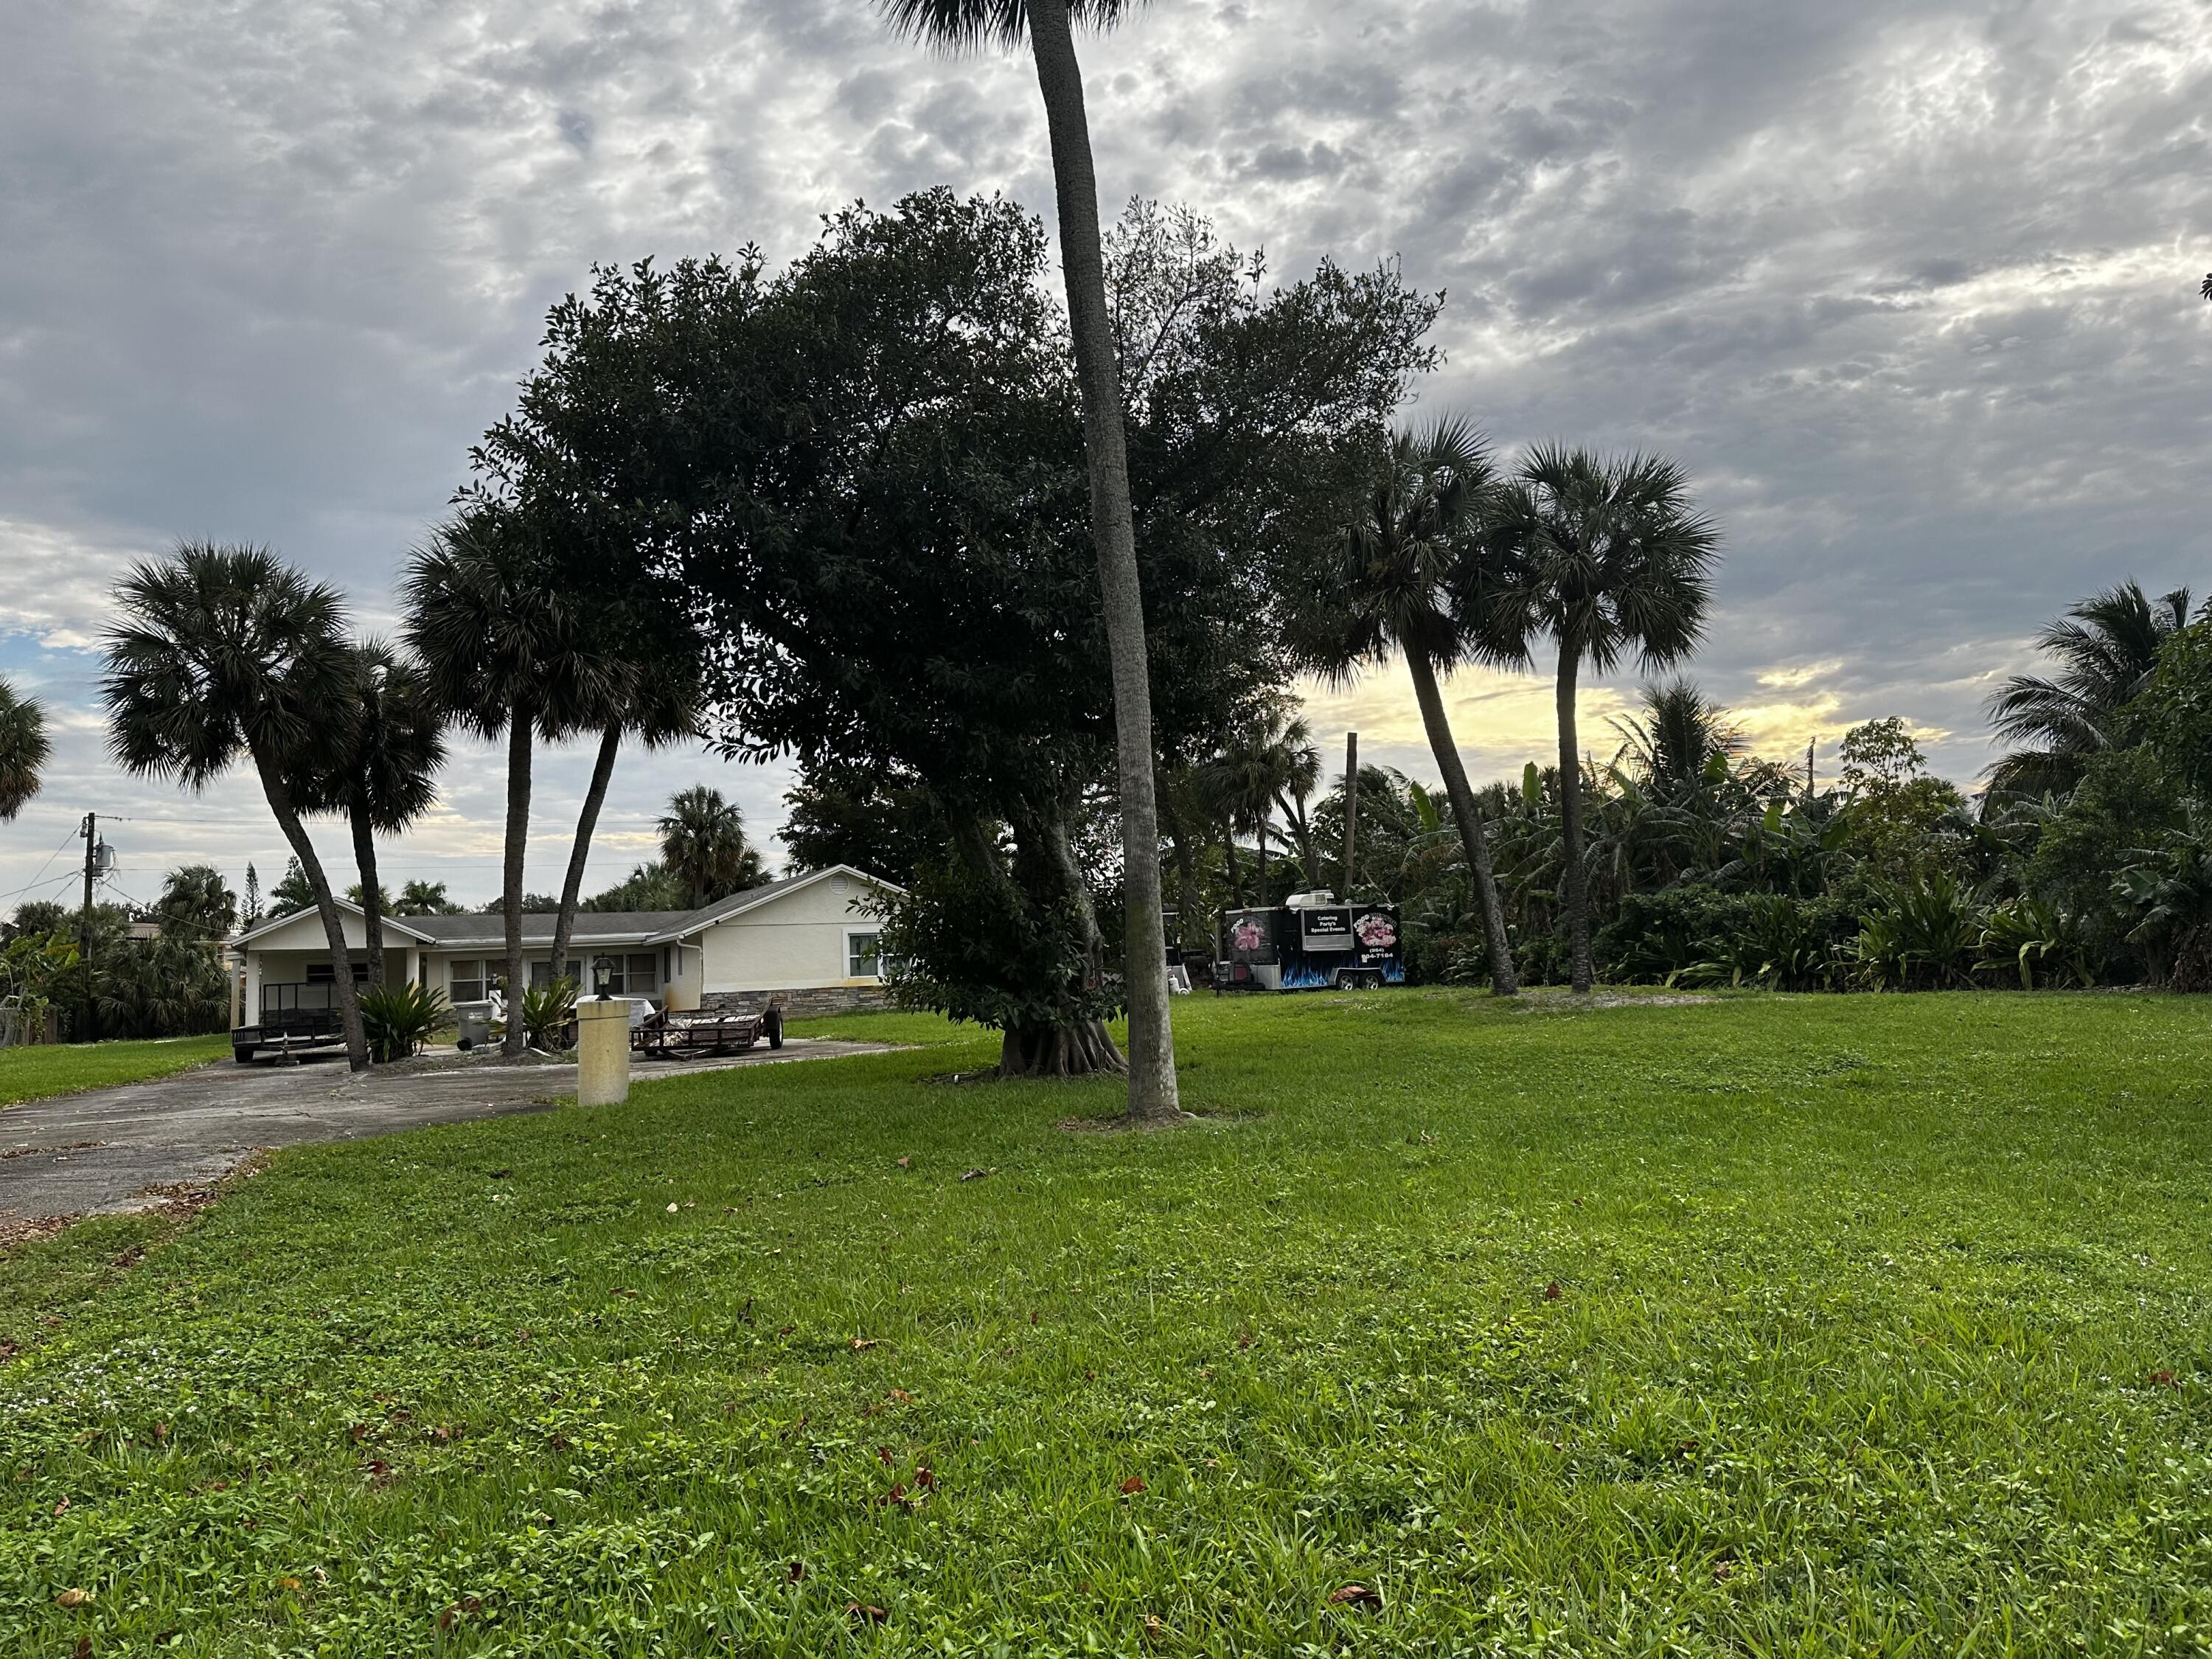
[1085, 1049]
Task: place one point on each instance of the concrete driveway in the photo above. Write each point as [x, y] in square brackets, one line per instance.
[107, 1149]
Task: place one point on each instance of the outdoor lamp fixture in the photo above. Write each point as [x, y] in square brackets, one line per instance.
[603, 973]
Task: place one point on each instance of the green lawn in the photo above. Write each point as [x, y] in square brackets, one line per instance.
[63, 1068]
[1764, 1326]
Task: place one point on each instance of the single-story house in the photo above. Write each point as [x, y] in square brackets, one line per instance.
[808, 943]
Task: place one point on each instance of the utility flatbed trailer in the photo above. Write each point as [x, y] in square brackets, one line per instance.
[294, 1019]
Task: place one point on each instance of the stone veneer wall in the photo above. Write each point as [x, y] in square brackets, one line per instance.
[800, 1005]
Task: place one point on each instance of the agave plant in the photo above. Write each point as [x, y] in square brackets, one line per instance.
[1922, 933]
[548, 1012]
[398, 1020]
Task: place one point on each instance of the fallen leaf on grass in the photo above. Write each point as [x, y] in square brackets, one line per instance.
[83, 1648]
[74, 1598]
[672, 1209]
[62, 1508]
[899, 1397]
[1155, 1630]
[861, 1344]
[2163, 1379]
[978, 1175]
[794, 1573]
[1552, 1293]
[860, 1613]
[906, 1163]
[1357, 1596]
[925, 1477]
[1132, 1486]
[289, 1583]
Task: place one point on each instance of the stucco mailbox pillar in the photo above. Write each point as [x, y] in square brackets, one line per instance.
[602, 1051]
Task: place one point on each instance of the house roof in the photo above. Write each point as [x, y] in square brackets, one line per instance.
[488, 931]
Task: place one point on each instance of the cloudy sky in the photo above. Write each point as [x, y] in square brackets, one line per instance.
[1909, 285]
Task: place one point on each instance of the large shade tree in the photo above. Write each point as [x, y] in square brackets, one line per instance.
[1409, 579]
[1048, 26]
[226, 653]
[2104, 652]
[1607, 559]
[24, 749]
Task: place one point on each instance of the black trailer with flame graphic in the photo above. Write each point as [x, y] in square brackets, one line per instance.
[1312, 947]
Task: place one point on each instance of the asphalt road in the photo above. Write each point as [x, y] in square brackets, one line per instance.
[108, 1150]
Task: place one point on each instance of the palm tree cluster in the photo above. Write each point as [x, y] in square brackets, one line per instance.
[1454, 560]
[226, 655]
[24, 749]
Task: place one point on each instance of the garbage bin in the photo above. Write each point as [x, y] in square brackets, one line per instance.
[472, 1027]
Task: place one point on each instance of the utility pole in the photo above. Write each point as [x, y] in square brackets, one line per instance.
[84, 922]
[1351, 809]
[1809, 741]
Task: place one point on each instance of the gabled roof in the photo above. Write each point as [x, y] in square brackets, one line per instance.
[399, 924]
[488, 930]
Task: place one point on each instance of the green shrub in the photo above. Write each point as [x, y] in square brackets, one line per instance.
[548, 1012]
[398, 1020]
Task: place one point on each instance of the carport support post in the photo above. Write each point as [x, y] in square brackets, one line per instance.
[602, 1051]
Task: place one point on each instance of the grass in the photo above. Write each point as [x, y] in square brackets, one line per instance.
[64, 1068]
[1767, 1325]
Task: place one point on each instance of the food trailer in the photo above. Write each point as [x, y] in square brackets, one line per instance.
[1312, 943]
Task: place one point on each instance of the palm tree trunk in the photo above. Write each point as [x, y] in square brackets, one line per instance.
[372, 904]
[1504, 980]
[295, 833]
[1236, 870]
[520, 720]
[1152, 1097]
[1259, 879]
[1574, 882]
[588, 822]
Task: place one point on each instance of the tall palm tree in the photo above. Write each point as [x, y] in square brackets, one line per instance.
[702, 840]
[1605, 558]
[1408, 582]
[24, 750]
[505, 652]
[378, 766]
[658, 702]
[2106, 648]
[226, 652]
[1047, 25]
[196, 903]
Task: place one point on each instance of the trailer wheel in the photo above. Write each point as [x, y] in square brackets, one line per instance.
[772, 1023]
[244, 1056]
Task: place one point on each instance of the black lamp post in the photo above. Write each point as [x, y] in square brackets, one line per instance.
[603, 973]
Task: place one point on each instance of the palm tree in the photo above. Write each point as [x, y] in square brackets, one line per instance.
[23, 750]
[1679, 739]
[196, 903]
[503, 648]
[227, 652]
[657, 702]
[378, 767]
[1049, 26]
[1605, 558]
[424, 898]
[1409, 582]
[2106, 648]
[702, 842]
[1265, 760]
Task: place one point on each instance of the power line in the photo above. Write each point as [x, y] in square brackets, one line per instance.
[48, 865]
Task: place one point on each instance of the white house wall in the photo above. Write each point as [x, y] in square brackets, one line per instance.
[794, 942]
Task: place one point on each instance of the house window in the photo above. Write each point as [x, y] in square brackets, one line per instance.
[864, 955]
[640, 980]
[468, 981]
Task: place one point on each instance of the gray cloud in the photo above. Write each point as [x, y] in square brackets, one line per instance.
[1909, 286]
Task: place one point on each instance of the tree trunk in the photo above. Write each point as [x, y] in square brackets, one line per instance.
[1351, 812]
[295, 833]
[1084, 1049]
[1153, 1096]
[1504, 980]
[519, 720]
[1236, 870]
[587, 821]
[372, 905]
[1574, 881]
[1260, 852]
[1294, 813]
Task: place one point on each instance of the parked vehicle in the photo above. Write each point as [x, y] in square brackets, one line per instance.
[1311, 944]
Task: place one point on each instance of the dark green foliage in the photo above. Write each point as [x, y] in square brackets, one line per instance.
[838, 815]
[549, 1016]
[196, 903]
[24, 749]
[400, 1019]
[704, 847]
